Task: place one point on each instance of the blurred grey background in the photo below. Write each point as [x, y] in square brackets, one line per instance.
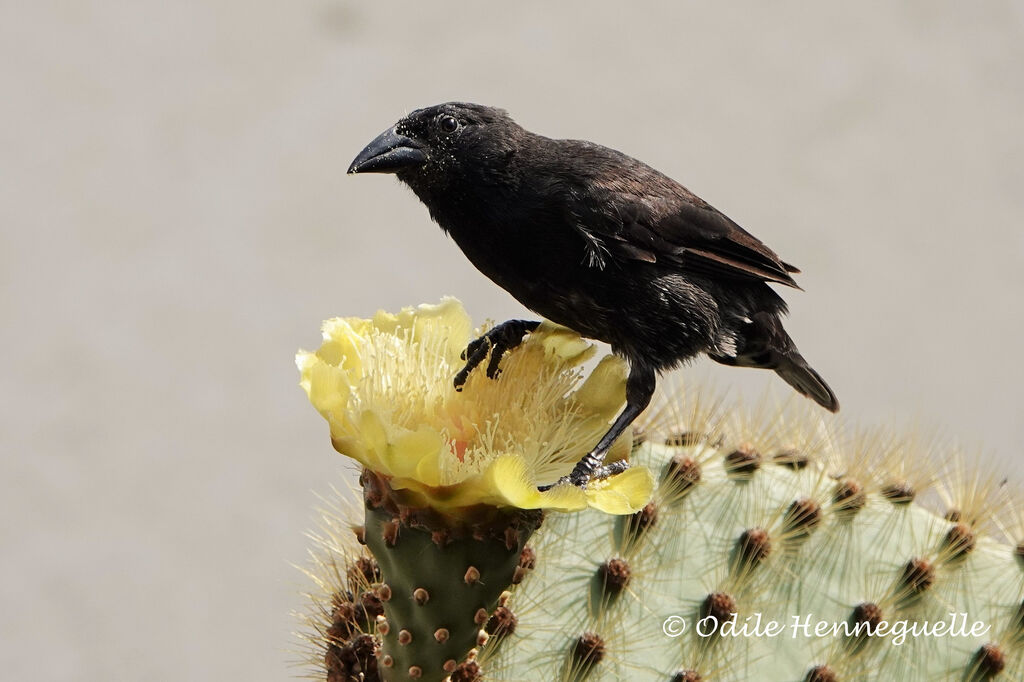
[176, 222]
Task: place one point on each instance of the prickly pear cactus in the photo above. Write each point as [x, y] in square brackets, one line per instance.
[449, 481]
[738, 547]
[754, 564]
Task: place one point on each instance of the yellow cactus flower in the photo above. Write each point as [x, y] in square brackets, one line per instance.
[384, 385]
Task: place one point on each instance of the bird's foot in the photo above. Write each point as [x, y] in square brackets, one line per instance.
[609, 470]
[498, 340]
[588, 469]
[564, 479]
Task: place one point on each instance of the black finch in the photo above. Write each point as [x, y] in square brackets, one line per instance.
[598, 242]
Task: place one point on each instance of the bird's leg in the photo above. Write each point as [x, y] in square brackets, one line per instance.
[498, 340]
[639, 389]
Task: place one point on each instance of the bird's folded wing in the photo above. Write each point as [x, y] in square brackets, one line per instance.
[682, 231]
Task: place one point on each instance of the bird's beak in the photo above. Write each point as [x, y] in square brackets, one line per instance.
[389, 153]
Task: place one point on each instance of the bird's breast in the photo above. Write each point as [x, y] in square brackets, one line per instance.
[519, 250]
[543, 267]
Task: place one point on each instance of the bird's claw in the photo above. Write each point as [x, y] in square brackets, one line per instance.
[609, 470]
[581, 479]
[474, 347]
[496, 341]
[549, 486]
[474, 354]
[493, 370]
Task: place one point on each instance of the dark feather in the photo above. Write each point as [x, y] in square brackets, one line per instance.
[642, 214]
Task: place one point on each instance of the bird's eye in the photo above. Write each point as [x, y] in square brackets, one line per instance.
[448, 124]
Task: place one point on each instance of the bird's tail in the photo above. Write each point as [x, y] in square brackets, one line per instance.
[763, 343]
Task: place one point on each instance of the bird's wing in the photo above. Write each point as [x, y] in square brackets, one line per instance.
[686, 231]
[643, 215]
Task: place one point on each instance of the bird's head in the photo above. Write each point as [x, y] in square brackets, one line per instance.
[431, 147]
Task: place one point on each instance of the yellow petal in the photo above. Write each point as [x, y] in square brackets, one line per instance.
[347, 326]
[420, 453]
[625, 493]
[508, 479]
[407, 453]
[375, 441]
[386, 322]
[352, 446]
[563, 343]
[446, 323]
[447, 320]
[305, 361]
[326, 386]
[342, 346]
[604, 391]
